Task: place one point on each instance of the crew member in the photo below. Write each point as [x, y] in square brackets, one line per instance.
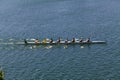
[51, 40]
[44, 40]
[66, 41]
[88, 40]
[25, 41]
[58, 41]
[81, 40]
[73, 40]
[36, 41]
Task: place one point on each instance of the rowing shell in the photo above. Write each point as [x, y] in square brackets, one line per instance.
[62, 42]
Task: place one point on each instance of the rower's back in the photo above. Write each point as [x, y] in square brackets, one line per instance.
[66, 41]
[51, 40]
[88, 40]
[73, 40]
[58, 41]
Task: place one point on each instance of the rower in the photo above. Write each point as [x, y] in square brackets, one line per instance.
[51, 40]
[81, 40]
[44, 40]
[58, 41]
[66, 41]
[88, 40]
[73, 40]
[36, 41]
[25, 41]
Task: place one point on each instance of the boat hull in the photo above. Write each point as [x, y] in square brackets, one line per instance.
[62, 42]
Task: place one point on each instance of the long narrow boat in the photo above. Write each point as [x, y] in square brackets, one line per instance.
[62, 42]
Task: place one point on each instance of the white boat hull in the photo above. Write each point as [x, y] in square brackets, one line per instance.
[62, 42]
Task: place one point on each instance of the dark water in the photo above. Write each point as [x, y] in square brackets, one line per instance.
[98, 19]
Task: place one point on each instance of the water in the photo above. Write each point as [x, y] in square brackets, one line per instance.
[20, 19]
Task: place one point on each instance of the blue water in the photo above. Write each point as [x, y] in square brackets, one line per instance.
[98, 19]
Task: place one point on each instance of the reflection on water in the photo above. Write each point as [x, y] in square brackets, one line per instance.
[12, 46]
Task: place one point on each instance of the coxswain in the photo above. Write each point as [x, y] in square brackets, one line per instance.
[88, 40]
[73, 40]
[25, 41]
[58, 41]
[51, 40]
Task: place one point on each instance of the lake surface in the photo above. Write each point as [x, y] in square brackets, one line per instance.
[26, 19]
